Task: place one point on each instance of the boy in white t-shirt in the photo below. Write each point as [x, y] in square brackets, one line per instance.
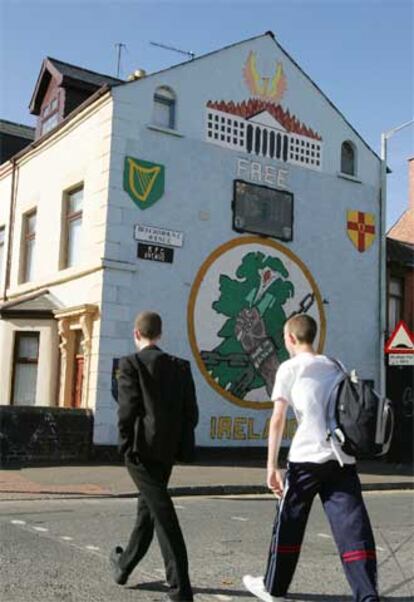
[304, 382]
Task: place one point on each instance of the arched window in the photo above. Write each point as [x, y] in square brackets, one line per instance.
[348, 159]
[164, 107]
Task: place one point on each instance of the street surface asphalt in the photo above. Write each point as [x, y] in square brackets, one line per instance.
[56, 550]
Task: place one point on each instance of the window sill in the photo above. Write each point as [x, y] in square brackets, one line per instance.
[346, 176]
[158, 128]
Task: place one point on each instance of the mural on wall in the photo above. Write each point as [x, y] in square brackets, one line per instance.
[241, 297]
[143, 181]
[260, 125]
[361, 229]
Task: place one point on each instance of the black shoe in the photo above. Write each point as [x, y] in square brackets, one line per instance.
[120, 577]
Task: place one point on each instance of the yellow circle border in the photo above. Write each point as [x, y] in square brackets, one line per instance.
[231, 244]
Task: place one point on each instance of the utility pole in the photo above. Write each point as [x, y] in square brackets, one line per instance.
[119, 46]
[383, 250]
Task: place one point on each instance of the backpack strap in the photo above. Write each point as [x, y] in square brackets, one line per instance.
[333, 432]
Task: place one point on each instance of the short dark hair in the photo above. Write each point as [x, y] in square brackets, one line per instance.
[149, 324]
[303, 327]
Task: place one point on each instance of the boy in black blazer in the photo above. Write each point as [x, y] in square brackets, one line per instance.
[157, 416]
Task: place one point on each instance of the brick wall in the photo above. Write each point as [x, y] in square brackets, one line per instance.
[44, 435]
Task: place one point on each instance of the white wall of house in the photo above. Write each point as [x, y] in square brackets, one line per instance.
[78, 153]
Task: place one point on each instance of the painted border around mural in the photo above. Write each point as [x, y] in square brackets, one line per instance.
[235, 242]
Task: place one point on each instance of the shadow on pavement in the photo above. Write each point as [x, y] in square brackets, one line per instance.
[159, 586]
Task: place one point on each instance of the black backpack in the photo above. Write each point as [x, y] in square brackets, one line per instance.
[358, 419]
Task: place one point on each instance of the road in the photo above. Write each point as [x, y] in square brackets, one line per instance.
[56, 550]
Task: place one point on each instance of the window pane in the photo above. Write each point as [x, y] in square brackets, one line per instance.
[50, 123]
[347, 159]
[28, 348]
[2, 251]
[29, 261]
[25, 378]
[162, 114]
[74, 242]
[394, 312]
[396, 287]
[31, 223]
[75, 201]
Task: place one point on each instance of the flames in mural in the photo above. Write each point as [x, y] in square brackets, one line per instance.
[269, 88]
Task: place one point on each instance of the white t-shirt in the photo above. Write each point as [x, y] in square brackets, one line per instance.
[305, 382]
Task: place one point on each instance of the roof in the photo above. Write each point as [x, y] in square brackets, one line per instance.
[403, 229]
[85, 75]
[69, 74]
[400, 252]
[16, 129]
[38, 305]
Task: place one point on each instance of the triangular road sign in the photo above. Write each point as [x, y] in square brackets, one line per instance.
[401, 340]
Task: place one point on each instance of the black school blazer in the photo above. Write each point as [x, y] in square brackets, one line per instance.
[158, 410]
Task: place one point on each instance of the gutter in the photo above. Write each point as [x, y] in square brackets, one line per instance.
[11, 228]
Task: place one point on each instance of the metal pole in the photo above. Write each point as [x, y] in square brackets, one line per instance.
[383, 248]
[383, 263]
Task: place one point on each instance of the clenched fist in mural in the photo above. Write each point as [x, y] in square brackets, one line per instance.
[251, 333]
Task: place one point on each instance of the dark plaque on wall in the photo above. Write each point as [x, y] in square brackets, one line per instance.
[262, 210]
[155, 253]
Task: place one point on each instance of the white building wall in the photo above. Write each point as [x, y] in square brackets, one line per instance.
[77, 153]
[197, 201]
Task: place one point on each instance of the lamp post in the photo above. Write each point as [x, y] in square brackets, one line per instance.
[383, 259]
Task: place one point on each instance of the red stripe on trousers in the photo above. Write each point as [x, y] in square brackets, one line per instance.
[359, 555]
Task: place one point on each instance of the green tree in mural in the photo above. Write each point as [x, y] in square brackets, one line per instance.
[253, 332]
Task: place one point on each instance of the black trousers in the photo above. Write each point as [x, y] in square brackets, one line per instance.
[340, 493]
[156, 511]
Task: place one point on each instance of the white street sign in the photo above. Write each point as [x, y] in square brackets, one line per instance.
[162, 236]
[401, 359]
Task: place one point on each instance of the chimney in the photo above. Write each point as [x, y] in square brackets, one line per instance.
[137, 74]
[411, 183]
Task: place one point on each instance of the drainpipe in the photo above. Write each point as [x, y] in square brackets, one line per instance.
[11, 228]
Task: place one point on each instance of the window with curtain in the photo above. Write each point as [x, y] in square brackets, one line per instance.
[348, 160]
[28, 246]
[395, 302]
[164, 107]
[72, 228]
[26, 357]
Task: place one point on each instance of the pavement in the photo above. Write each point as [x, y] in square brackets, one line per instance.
[209, 477]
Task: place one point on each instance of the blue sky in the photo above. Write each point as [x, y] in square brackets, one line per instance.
[359, 52]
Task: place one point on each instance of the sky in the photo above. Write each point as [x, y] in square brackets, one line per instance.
[359, 52]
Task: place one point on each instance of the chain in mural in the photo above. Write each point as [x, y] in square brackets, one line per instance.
[260, 354]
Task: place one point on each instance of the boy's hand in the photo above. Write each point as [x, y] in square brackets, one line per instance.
[275, 481]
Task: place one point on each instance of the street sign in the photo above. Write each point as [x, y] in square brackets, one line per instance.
[400, 359]
[155, 253]
[162, 236]
[401, 340]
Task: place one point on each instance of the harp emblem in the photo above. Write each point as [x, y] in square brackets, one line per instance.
[143, 181]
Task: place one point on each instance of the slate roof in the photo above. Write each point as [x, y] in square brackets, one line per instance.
[85, 75]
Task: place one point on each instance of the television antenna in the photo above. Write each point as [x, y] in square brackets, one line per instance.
[188, 53]
[119, 46]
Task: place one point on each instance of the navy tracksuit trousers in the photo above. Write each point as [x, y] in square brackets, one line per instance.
[340, 491]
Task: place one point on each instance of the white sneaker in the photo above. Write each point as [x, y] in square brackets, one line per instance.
[255, 585]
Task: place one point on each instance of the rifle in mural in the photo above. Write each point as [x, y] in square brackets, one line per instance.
[261, 353]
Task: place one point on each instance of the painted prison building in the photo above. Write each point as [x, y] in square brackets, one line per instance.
[227, 193]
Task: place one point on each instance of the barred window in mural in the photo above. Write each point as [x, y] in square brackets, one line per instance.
[260, 126]
[242, 296]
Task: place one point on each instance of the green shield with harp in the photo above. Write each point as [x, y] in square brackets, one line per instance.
[143, 181]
